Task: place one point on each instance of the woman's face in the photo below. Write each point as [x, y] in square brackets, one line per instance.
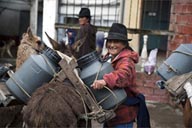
[115, 47]
[83, 20]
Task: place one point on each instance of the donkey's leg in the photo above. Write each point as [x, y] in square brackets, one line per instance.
[187, 114]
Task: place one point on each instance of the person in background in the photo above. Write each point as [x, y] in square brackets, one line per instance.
[123, 60]
[71, 36]
[86, 36]
[99, 41]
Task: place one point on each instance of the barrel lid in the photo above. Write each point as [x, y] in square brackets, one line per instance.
[52, 55]
[87, 59]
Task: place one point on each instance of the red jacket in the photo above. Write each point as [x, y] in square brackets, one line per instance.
[123, 76]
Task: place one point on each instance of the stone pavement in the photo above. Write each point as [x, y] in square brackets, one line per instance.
[161, 116]
[165, 116]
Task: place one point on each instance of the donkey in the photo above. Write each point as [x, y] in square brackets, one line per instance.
[187, 113]
[62, 47]
[54, 105]
[179, 88]
[29, 44]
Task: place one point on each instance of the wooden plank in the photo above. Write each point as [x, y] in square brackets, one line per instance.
[97, 113]
[60, 76]
[78, 83]
[129, 30]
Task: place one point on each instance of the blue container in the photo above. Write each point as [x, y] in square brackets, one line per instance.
[90, 65]
[35, 71]
[179, 62]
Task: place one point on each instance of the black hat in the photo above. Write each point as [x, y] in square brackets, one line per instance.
[118, 32]
[84, 12]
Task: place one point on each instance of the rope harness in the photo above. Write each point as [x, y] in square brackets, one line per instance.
[89, 101]
[10, 73]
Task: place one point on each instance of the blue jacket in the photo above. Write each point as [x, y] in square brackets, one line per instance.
[143, 118]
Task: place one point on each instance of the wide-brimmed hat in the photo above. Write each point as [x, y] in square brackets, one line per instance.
[84, 12]
[118, 32]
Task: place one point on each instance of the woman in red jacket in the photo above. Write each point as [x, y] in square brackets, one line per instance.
[123, 60]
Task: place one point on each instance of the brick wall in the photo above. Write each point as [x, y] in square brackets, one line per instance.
[180, 24]
[146, 85]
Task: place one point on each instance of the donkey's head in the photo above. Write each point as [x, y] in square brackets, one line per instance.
[62, 47]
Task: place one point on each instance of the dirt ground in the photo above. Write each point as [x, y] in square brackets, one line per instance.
[161, 116]
[165, 116]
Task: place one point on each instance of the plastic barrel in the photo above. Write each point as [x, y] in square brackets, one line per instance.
[90, 66]
[35, 71]
[179, 62]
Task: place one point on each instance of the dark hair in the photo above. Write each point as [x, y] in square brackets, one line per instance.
[89, 19]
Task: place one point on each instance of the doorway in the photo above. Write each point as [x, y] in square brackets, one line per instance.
[156, 15]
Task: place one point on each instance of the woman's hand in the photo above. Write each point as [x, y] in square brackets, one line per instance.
[98, 84]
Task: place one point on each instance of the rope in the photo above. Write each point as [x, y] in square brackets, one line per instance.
[115, 96]
[18, 85]
[47, 61]
[91, 93]
[107, 89]
[84, 105]
[85, 108]
[95, 114]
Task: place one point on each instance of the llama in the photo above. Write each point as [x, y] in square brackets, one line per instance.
[30, 44]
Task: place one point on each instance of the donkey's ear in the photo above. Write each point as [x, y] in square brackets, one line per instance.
[29, 32]
[54, 43]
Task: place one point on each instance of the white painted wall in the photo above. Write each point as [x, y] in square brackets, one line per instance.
[50, 8]
[34, 16]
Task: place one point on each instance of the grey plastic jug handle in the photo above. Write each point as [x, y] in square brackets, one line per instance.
[170, 68]
[104, 60]
[10, 73]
